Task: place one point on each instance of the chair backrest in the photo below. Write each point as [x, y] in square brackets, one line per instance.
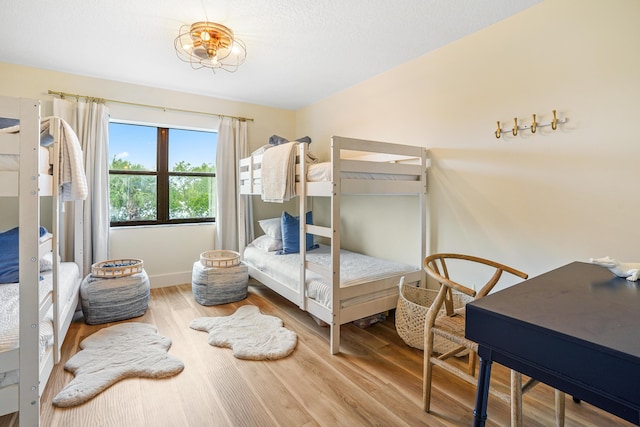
[436, 267]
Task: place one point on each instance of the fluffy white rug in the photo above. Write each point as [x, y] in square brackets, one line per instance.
[121, 351]
[249, 333]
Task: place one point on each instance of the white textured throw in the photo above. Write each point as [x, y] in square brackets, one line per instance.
[73, 180]
[249, 333]
[71, 164]
[279, 173]
[121, 351]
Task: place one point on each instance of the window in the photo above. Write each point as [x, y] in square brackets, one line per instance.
[161, 175]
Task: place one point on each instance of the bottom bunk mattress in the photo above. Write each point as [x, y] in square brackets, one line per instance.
[355, 269]
[69, 280]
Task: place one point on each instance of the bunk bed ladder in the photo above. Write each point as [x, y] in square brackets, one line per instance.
[29, 275]
[302, 228]
[335, 246]
[55, 229]
[332, 274]
[423, 207]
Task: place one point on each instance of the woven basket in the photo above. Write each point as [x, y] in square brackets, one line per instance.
[411, 312]
[219, 259]
[117, 267]
[213, 286]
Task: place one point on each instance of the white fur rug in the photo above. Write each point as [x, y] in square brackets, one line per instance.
[249, 333]
[121, 351]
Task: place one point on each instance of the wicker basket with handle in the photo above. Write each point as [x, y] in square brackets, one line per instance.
[117, 267]
[219, 259]
[411, 311]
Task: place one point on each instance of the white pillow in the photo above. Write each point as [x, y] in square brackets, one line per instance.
[267, 243]
[271, 227]
[46, 262]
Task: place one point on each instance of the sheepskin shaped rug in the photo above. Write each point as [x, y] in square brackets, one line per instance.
[249, 333]
[125, 350]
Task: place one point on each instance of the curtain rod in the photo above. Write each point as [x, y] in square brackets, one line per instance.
[72, 95]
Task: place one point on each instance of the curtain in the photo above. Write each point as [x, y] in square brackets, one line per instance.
[90, 121]
[234, 217]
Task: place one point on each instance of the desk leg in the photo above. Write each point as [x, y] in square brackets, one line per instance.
[482, 393]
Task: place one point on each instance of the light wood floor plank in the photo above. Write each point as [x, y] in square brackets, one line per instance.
[375, 380]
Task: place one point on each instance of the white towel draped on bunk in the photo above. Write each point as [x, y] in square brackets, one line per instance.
[279, 173]
[73, 180]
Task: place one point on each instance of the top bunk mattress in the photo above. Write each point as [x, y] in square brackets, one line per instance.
[383, 169]
[69, 280]
[355, 269]
[320, 172]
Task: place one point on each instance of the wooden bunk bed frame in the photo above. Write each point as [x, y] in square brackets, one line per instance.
[372, 163]
[29, 186]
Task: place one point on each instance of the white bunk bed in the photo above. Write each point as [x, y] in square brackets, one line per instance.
[352, 297]
[46, 301]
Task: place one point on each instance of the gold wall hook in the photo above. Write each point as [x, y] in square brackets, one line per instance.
[514, 131]
[534, 125]
[554, 122]
[498, 132]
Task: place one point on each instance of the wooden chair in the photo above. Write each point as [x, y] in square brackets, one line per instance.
[451, 327]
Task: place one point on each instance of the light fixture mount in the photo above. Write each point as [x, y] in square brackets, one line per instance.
[207, 44]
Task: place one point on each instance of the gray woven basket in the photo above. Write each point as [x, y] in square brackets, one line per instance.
[105, 300]
[213, 286]
[411, 312]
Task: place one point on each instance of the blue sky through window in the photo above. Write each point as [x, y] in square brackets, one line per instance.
[137, 144]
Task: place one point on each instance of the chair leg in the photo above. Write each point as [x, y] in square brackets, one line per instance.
[560, 403]
[426, 374]
[516, 399]
[471, 369]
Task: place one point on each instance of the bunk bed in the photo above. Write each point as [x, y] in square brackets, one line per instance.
[36, 311]
[329, 292]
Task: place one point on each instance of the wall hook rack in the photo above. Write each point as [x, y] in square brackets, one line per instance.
[533, 127]
[534, 124]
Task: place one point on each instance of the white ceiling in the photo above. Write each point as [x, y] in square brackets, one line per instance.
[299, 51]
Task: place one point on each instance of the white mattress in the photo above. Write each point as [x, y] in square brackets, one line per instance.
[320, 172]
[10, 305]
[354, 269]
[11, 162]
[9, 312]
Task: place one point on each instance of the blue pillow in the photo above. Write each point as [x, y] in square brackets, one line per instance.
[45, 138]
[291, 233]
[7, 123]
[9, 263]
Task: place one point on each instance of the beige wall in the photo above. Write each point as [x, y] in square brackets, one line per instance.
[168, 252]
[532, 201]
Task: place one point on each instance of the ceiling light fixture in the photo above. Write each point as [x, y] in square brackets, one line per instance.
[210, 45]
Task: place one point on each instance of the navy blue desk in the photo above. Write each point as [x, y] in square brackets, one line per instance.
[576, 328]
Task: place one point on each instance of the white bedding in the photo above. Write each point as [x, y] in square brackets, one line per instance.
[11, 162]
[69, 275]
[320, 172]
[10, 304]
[354, 269]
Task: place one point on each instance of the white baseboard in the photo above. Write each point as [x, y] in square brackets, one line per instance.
[164, 280]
